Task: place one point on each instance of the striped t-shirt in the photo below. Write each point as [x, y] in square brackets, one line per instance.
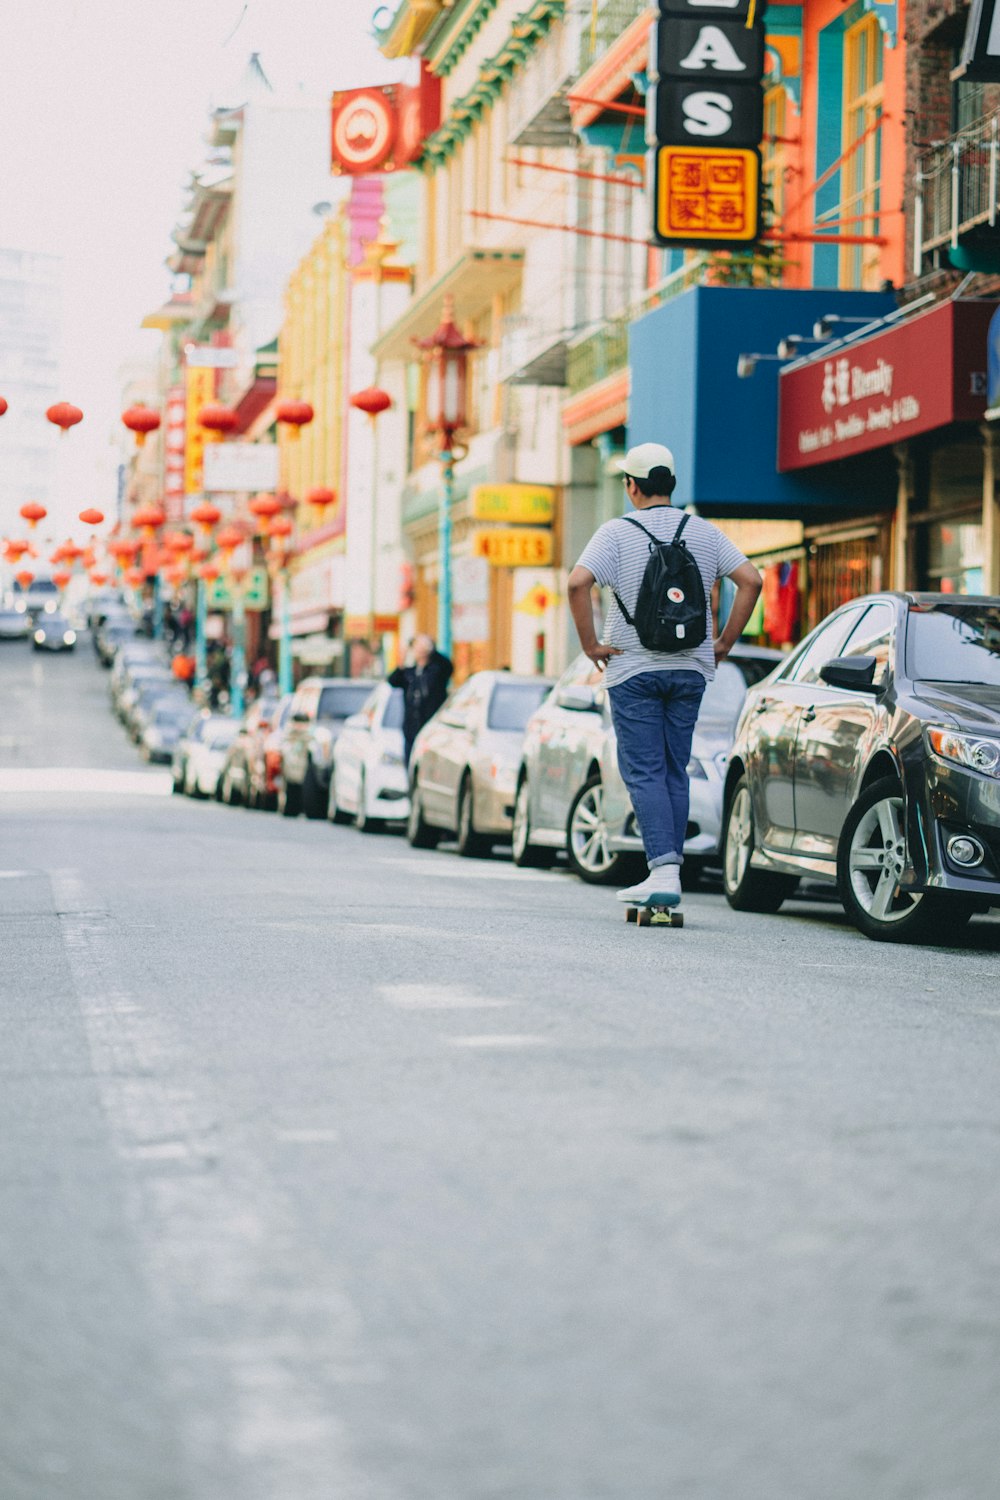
[617, 555]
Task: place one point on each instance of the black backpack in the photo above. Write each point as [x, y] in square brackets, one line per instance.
[670, 611]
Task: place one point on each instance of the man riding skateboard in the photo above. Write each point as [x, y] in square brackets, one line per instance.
[658, 654]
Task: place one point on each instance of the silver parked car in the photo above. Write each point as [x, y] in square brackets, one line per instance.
[369, 782]
[570, 794]
[463, 770]
[320, 707]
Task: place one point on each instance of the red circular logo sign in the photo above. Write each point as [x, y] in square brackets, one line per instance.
[676, 596]
[364, 131]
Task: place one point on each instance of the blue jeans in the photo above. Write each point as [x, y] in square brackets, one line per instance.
[654, 715]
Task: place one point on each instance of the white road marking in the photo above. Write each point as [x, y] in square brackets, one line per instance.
[461, 870]
[502, 1039]
[82, 780]
[307, 1137]
[437, 997]
[213, 1231]
[13, 874]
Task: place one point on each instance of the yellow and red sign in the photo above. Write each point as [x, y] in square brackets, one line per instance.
[524, 547]
[513, 502]
[363, 129]
[199, 391]
[707, 194]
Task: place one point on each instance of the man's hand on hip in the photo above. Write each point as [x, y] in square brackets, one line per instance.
[601, 655]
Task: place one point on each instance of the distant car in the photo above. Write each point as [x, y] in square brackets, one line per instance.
[463, 768]
[871, 761]
[570, 794]
[199, 724]
[207, 755]
[319, 711]
[111, 633]
[142, 683]
[39, 593]
[53, 632]
[163, 727]
[15, 624]
[264, 757]
[235, 786]
[369, 781]
[153, 696]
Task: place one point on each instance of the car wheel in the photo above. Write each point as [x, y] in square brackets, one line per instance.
[230, 795]
[871, 858]
[748, 889]
[587, 838]
[362, 822]
[527, 856]
[177, 785]
[471, 845]
[420, 835]
[313, 798]
[289, 800]
[334, 811]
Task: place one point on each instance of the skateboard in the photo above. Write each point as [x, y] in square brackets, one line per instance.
[655, 913]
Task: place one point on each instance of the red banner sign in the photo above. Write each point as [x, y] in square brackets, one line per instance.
[927, 372]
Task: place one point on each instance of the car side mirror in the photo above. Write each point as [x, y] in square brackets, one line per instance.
[856, 673]
[579, 698]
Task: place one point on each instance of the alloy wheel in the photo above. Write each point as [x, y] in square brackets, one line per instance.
[739, 839]
[519, 831]
[876, 860]
[589, 833]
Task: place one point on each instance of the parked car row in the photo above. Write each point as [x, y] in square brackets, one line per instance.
[868, 760]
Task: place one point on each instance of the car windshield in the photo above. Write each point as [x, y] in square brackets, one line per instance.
[171, 713]
[724, 696]
[340, 702]
[513, 703]
[36, 586]
[393, 716]
[953, 642]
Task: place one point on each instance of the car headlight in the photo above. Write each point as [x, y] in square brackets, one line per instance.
[39, 636]
[390, 758]
[974, 751]
[69, 638]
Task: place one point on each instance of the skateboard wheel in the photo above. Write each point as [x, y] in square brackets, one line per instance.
[644, 916]
[678, 920]
[630, 913]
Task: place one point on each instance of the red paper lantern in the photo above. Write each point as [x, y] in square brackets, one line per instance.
[141, 420]
[149, 517]
[178, 541]
[321, 497]
[64, 416]
[217, 418]
[91, 517]
[206, 515]
[25, 577]
[280, 526]
[209, 571]
[3, 406]
[61, 579]
[135, 577]
[16, 549]
[372, 401]
[33, 513]
[295, 415]
[265, 506]
[99, 579]
[71, 553]
[229, 538]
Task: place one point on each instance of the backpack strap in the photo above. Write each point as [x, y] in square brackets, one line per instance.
[656, 541]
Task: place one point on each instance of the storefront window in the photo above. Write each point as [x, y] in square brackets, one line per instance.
[774, 159]
[954, 557]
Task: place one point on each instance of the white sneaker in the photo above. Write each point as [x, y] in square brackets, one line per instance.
[662, 885]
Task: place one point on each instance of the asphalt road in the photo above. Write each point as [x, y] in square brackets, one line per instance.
[330, 1170]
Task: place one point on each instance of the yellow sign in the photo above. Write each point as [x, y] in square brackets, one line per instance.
[537, 601]
[199, 391]
[513, 502]
[527, 547]
[707, 195]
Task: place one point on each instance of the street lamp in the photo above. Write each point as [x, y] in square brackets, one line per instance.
[447, 352]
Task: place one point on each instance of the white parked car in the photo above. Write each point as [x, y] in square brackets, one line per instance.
[206, 756]
[369, 782]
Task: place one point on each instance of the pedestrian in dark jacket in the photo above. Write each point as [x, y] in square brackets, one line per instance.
[424, 680]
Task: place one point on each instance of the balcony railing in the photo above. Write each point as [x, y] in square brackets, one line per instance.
[610, 21]
[603, 351]
[956, 188]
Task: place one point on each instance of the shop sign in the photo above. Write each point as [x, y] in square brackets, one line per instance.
[704, 122]
[924, 373]
[363, 129]
[209, 357]
[199, 391]
[526, 547]
[255, 592]
[234, 467]
[513, 502]
[318, 585]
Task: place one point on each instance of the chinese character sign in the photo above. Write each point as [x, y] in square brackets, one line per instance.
[706, 194]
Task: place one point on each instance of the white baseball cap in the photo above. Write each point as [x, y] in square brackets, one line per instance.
[639, 462]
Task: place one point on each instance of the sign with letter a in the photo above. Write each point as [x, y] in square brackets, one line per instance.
[704, 122]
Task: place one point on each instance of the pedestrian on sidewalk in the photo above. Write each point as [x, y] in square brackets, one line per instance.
[655, 694]
[424, 680]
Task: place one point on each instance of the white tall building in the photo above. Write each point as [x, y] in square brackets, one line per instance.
[30, 348]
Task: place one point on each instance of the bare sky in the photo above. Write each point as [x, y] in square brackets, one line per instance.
[103, 107]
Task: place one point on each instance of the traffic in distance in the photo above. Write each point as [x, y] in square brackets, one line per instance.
[865, 763]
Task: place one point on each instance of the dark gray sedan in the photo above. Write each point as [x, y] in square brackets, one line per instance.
[871, 761]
